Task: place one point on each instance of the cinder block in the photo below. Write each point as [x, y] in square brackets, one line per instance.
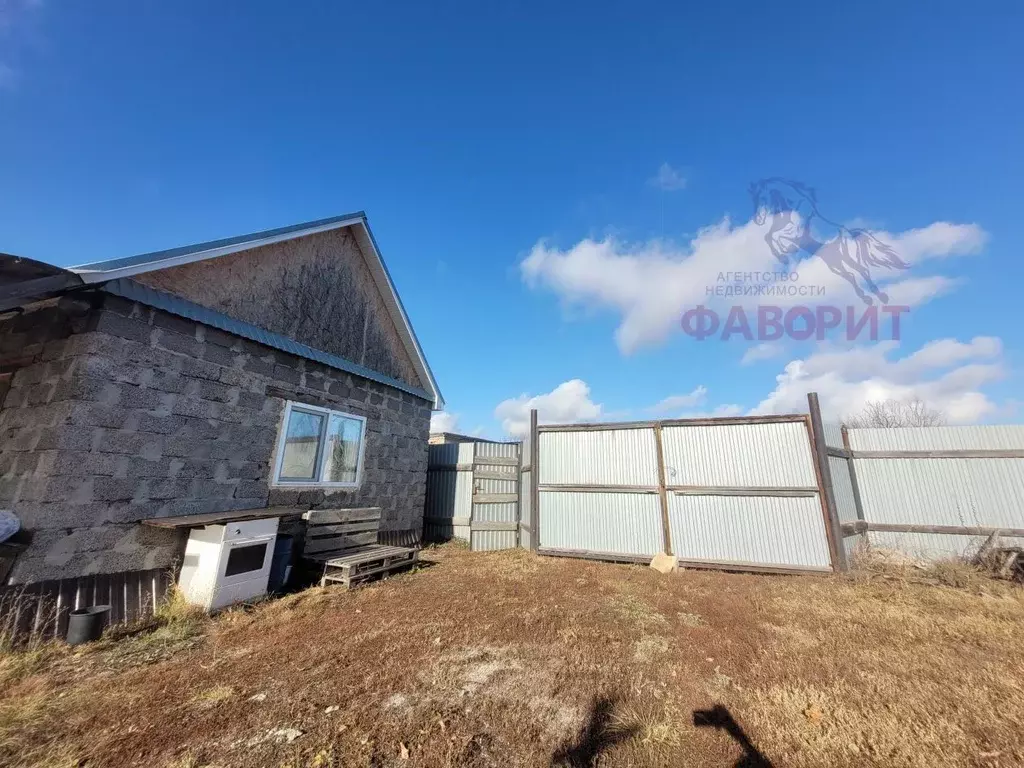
[222, 356]
[176, 342]
[118, 325]
[118, 489]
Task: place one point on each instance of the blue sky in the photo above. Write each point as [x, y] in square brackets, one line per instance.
[552, 187]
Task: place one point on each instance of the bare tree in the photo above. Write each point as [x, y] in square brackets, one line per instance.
[897, 413]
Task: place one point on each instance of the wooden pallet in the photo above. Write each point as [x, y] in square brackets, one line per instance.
[351, 570]
[342, 543]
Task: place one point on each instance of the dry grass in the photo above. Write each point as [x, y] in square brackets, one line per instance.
[507, 659]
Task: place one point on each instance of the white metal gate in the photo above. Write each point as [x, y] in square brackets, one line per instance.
[742, 493]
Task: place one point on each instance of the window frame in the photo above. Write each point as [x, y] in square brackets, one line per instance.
[321, 453]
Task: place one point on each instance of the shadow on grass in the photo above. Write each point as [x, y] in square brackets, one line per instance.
[719, 717]
[600, 733]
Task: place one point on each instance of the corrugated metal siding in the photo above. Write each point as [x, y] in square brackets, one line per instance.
[772, 455]
[489, 541]
[833, 434]
[1000, 437]
[449, 454]
[40, 611]
[497, 513]
[948, 491]
[505, 450]
[623, 523]
[606, 457]
[988, 492]
[449, 492]
[756, 529]
[842, 487]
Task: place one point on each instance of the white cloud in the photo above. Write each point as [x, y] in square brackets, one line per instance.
[569, 402]
[649, 285]
[766, 350]
[675, 402]
[442, 421]
[946, 374]
[668, 179]
[719, 411]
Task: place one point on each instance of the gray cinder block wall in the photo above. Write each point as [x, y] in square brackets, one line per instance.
[115, 412]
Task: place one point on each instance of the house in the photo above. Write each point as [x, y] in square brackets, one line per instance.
[276, 369]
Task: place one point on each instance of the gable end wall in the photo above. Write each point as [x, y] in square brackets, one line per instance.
[316, 289]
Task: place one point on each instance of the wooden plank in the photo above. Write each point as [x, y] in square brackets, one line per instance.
[666, 531]
[947, 454]
[699, 422]
[495, 498]
[484, 525]
[839, 453]
[852, 529]
[217, 518]
[368, 553]
[568, 488]
[585, 554]
[496, 461]
[486, 474]
[329, 543]
[613, 557]
[750, 567]
[447, 520]
[322, 516]
[451, 468]
[833, 532]
[852, 469]
[727, 490]
[313, 531]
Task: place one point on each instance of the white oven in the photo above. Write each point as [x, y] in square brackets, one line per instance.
[228, 563]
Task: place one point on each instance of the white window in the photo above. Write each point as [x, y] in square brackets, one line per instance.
[319, 447]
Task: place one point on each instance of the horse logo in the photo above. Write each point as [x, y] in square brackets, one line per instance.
[794, 210]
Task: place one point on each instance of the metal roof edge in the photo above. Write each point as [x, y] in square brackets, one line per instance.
[129, 289]
[101, 271]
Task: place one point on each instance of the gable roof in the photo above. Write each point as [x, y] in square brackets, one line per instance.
[115, 269]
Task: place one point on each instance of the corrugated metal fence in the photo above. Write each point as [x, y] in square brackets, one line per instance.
[929, 492]
[740, 493]
[39, 611]
[473, 494]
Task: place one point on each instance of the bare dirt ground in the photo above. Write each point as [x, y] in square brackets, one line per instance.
[508, 659]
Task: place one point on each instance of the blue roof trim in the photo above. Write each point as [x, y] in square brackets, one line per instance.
[171, 253]
[129, 289]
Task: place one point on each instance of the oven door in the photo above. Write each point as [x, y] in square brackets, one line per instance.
[245, 560]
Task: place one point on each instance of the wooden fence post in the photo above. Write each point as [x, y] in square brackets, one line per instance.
[534, 481]
[666, 531]
[828, 497]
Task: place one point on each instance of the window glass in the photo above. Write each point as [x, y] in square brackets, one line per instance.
[300, 446]
[343, 437]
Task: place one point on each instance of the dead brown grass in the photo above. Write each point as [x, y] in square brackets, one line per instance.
[508, 659]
